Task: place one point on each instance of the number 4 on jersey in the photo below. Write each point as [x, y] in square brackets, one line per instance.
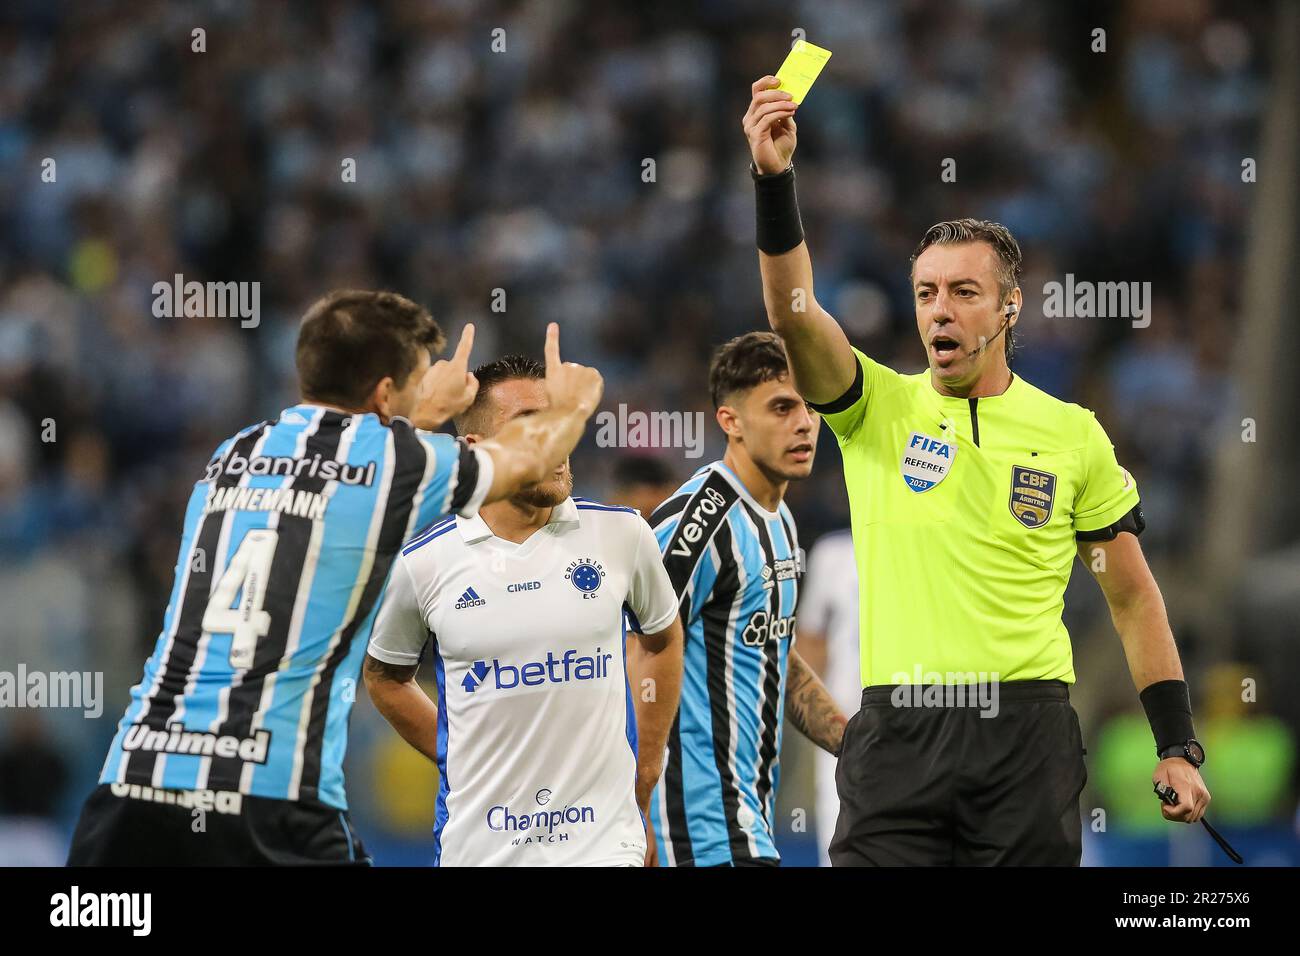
[244, 580]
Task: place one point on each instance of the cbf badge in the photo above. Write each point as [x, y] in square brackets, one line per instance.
[1032, 494]
[926, 461]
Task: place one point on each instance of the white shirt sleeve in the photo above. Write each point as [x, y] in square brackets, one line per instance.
[400, 628]
[650, 596]
[815, 595]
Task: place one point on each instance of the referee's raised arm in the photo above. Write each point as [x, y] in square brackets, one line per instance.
[821, 359]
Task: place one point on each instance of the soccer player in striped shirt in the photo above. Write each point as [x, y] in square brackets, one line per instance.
[231, 750]
[729, 544]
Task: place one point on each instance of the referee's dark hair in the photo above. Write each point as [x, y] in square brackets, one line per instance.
[351, 339]
[473, 420]
[998, 237]
[744, 362]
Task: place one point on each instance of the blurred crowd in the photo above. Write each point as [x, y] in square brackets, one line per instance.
[522, 162]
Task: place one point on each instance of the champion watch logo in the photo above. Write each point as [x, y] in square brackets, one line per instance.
[469, 599]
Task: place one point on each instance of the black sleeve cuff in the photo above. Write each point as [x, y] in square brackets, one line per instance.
[1168, 706]
[779, 228]
[845, 401]
[1133, 522]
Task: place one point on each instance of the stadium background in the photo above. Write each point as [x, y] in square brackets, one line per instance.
[522, 170]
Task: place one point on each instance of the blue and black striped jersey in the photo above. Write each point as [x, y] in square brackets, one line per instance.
[735, 568]
[287, 544]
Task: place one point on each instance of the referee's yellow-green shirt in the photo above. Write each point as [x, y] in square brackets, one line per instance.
[964, 520]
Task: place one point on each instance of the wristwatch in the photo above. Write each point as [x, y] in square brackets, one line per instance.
[1190, 750]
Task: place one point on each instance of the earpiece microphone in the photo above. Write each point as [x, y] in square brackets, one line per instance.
[1007, 316]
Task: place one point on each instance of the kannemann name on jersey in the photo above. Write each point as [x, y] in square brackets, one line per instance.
[288, 539]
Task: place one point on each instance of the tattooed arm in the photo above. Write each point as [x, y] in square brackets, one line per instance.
[398, 697]
[810, 708]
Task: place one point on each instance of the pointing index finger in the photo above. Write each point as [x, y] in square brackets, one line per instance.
[552, 346]
[463, 348]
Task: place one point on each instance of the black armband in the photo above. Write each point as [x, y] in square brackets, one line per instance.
[1169, 712]
[779, 226]
[1133, 522]
[845, 401]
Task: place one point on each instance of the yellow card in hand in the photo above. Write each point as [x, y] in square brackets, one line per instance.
[800, 69]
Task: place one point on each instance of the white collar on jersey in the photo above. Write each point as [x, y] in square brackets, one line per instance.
[720, 466]
[475, 529]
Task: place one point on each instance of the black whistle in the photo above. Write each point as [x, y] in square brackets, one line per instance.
[1170, 796]
[1167, 794]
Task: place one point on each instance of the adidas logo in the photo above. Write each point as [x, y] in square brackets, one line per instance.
[469, 599]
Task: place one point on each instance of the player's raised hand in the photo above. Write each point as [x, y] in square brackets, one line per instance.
[570, 386]
[769, 125]
[449, 387]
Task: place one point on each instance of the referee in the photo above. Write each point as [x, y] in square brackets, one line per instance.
[970, 492]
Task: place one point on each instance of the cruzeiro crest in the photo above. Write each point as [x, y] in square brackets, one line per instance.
[585, 574]
[1032, 495]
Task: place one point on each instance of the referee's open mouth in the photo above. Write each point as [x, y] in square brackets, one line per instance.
[945, 349]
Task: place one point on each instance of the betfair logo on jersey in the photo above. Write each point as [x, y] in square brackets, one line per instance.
[1032, 494]
[569, 666]
[926, 461]
[759, 630]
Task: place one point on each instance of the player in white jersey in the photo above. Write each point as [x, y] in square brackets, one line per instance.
[546, 757]
[828, 637]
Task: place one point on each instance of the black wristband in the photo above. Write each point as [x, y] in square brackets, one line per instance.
[1169, 712]
[779, 227]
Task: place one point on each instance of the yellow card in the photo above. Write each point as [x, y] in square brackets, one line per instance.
[800, 69]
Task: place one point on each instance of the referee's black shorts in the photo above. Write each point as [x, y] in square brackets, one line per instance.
[946, 786]
[137, 831]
